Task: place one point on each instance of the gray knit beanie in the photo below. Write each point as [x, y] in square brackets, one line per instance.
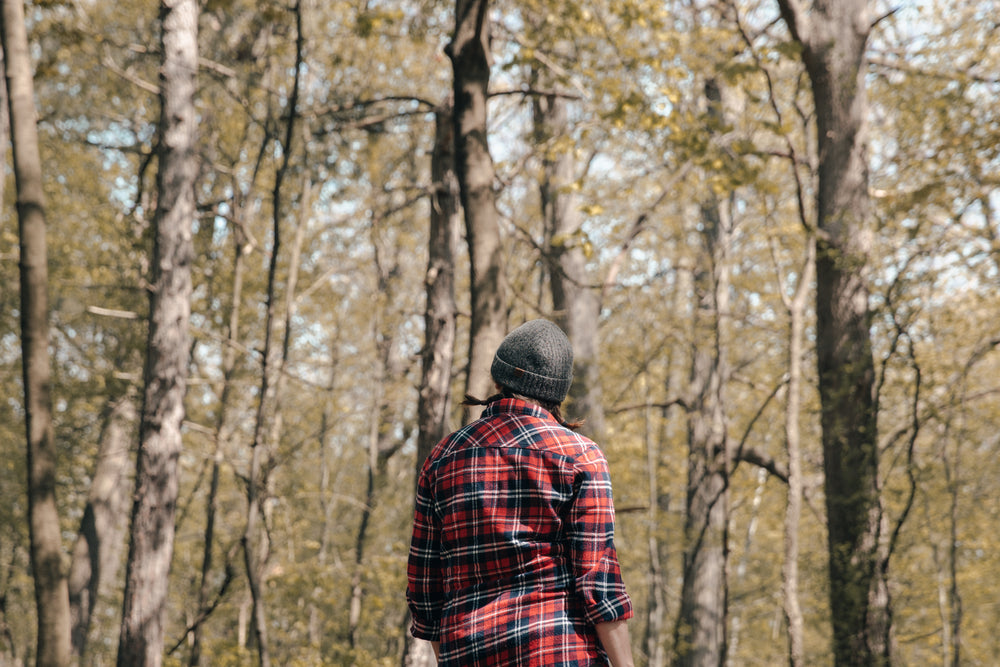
[535, 360]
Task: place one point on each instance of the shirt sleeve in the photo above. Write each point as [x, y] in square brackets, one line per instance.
[425, 590]
[592, 541]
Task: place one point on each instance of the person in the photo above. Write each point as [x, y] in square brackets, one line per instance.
[512, 559]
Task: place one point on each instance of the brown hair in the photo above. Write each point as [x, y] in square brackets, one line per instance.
[553, 408]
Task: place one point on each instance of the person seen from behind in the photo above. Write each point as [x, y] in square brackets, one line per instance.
[513, 560]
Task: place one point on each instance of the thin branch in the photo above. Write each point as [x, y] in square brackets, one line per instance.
[140, 83]
[640, 406]
[112, 312]
[885, 16]
[529, 91]
[754, 456]
[207, 611]
[898, 65]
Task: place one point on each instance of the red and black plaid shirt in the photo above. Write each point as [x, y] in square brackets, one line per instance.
[513, 560]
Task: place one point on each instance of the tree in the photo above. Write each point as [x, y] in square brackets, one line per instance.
[51, 588]
[796, 306]
[274, 358]
[833, 37]
[98, 549]
[437, 355]
[701, 631]
[221, 438]
[575, 302]
[470, 57]
[153, 512]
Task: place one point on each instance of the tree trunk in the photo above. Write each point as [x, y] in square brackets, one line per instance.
[793, 511]
[4, 107]
[97, 554]
[382, 443]
[674, 434]
[374, 482]
[834, 35]
[653, 639]
[701, 634]
[256, 541]
[152, 531]
[223, 433]
[51, 588]
[700, 637]
[437, 357]
[949, 595]
[434, 405]
[469, 52]
[576, 304]
[327, 482]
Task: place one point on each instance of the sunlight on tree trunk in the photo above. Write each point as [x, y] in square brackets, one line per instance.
[156, 488]
[51, 588]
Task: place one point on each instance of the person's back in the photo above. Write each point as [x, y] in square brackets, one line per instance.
[513, 560]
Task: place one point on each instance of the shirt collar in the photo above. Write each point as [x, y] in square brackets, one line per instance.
[516, 406]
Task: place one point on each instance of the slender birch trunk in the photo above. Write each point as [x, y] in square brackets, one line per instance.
[793, 439]
[256, 538]
[157, 475]
[223, 434]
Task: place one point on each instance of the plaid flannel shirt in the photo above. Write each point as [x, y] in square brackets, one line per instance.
[512, 560]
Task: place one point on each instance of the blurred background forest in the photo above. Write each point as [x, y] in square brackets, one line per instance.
[654, 188]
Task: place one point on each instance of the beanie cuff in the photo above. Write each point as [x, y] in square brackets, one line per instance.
[527, 383]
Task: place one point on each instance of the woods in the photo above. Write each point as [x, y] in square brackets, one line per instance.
[252, 256]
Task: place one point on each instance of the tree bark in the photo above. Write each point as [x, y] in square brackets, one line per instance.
[653, 639]
[701, 633]
[437, 357]
[701, 626]
[97, 554]
[793, 440]
[575, 303]
[382, 443]
[51, 588]
[833, 36]
[256, 539]
[223, 433]
[152, 528]
[469, 52]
